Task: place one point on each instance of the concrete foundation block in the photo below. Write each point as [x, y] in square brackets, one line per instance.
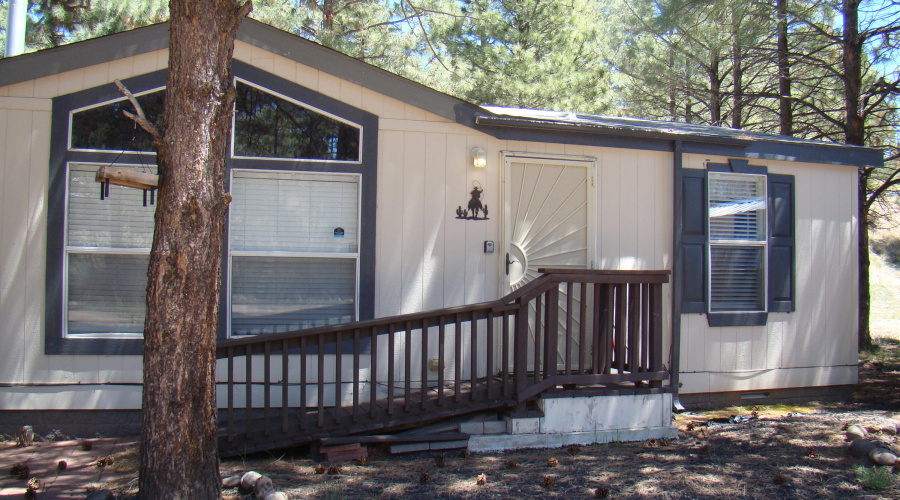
[449, 445]
[527, 425]
[502, 442]
[495, 427]
[409, 447]
[471, 428]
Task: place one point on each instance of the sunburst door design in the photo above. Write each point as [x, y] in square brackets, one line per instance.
[547, 223]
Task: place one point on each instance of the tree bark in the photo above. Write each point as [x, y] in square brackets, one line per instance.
[852, 62]
[737, 110]
[785, 109]
[179, 458]
[864, 335]
[854, 132]
[715, 91]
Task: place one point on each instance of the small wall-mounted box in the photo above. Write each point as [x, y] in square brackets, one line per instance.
[488, 247]
[434, 364]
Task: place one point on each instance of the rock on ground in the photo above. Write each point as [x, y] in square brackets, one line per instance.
[861, 447]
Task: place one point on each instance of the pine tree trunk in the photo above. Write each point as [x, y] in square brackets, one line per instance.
[785, 109]
[854, 132]
[715, 91]
[179, 458]
[852, 65]
[865, 336]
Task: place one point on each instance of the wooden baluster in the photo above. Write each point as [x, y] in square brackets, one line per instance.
[505, 353]
[320, 396]
[441, 364]
[620, 329]
[373, 371]
[284, 385]
[538, 309]
[656, 345]
[248, 386]
[489, 375]
[302, 382]
[570, 290]
[356, 375]
[597, 328]
[338, 376]
[645, 327]
[457, 357]
[634, 324]
[231, 394]
[390, 401]
[407, 369]
[520, 357]
[582, 328]
[551, 332]
[473, 363]
[267, 379]
[424, 362]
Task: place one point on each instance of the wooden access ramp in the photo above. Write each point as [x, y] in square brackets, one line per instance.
[570, 328]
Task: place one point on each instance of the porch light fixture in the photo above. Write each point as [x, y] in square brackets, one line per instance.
[479, 157]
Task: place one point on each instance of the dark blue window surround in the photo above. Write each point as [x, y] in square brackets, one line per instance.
[695, 243]
[61, 156]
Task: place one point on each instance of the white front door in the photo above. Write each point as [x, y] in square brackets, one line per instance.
[548, 221]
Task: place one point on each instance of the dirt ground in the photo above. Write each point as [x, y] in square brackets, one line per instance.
[795, 452]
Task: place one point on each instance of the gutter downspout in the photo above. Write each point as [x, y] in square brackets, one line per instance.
[15, 27]
[677, 269]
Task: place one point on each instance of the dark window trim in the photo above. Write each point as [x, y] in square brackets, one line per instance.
[755, 318]
[55, 343]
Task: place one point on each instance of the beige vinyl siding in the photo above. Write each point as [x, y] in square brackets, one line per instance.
[25, 114]
[816, 345]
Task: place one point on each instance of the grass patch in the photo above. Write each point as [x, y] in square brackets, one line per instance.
[874, 478]
[884, 283]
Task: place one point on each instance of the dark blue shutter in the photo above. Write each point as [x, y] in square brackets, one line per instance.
[693, 241]
[781, 243]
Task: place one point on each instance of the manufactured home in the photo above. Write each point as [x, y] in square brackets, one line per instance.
[395, 255]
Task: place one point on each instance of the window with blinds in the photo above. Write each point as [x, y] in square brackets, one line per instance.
[737, 242]
[107, 253]
[294, 250]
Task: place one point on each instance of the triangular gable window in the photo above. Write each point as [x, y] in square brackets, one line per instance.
[269, 126]
[106, 128]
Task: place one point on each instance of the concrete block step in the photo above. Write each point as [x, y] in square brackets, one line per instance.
[426, 446]
[483, 427]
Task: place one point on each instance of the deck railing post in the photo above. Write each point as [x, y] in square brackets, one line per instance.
[338, 376]
[284, 385]
[520, 345]
[424, 362]
[551, 332]
[656, 341]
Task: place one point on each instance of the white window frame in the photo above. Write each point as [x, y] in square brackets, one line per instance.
[762, 243]
[98, 105]
[69, 250]
[257, 253]
[359, 151]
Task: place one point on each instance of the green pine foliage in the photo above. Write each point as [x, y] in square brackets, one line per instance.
[523, 53]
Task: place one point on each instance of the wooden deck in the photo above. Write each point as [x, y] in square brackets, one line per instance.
[596, 328]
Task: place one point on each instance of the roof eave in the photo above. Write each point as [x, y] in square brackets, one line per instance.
[530, 123]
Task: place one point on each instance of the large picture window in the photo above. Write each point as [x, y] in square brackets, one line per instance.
[107, 251]
[294, 250]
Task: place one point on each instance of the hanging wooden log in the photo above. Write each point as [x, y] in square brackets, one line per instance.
[127, 177]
